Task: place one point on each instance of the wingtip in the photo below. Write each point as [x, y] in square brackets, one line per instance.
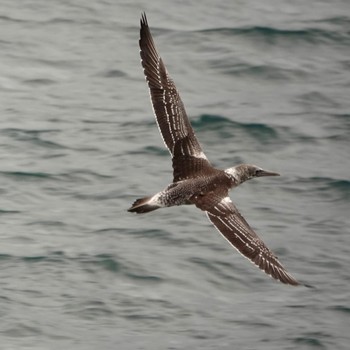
[291, 282]
[279, 273]
[300, 284]
[143, 20]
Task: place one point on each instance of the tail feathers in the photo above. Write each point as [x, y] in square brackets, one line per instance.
[143, 205]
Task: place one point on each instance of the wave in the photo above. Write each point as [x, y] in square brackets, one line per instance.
[341, 309]
[5, 211]
[40, 82]
[271, 34]
[270, 72]
[315, 97]
[90, 263]
[157, 151]
[329, 187]
[82, 176]
[337, 20]
[311, 340]
[215, 122]
[33, 136]
[27, 174]
[114, 73]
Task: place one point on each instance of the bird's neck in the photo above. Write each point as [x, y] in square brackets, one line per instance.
[238, 174]
[234, 174]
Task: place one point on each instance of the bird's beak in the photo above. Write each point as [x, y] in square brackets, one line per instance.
[268, 173]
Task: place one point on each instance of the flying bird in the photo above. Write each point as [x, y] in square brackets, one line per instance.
[195, 180]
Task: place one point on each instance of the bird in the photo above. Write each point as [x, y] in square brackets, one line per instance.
[195, 180]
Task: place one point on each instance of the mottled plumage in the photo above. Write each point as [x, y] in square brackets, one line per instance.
[195, 180]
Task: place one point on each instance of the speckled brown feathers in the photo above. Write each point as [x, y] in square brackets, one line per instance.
[172, 120]
[195, 181]
[231, 224]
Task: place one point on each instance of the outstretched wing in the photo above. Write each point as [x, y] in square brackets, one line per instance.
[230, 223]
[170, 113]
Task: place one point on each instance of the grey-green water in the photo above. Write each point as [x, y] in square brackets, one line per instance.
[263, 82]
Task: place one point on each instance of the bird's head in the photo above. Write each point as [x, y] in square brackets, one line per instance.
[244, 172]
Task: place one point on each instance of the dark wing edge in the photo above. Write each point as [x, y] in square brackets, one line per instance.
[171, 117]
[235, 229]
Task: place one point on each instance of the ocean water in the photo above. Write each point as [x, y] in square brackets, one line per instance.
[263, 82]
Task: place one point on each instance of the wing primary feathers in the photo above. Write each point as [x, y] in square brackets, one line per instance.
[173, 123]
[225, 217]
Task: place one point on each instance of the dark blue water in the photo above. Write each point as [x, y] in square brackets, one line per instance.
[263, 82]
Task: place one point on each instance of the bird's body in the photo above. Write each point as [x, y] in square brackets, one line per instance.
[195, 180]
[188, 191]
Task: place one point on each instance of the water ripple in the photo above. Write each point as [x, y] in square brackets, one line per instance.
[271, 34]
[257, 131]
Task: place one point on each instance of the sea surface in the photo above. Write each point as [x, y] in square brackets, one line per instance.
[264, 82]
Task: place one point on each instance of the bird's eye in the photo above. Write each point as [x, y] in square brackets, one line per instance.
[258, 172]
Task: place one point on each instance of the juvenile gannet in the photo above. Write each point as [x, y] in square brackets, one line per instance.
[195, 180]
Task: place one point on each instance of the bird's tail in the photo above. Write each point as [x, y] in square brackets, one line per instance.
[143, 205]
